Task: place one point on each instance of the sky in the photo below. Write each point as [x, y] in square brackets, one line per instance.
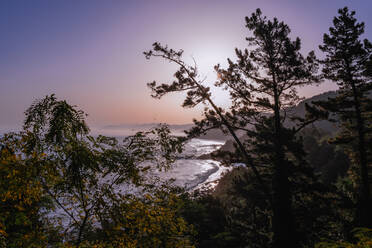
[91, 52]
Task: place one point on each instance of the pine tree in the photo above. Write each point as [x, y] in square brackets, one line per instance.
[348, 63]
[261, 83]
[265, 79]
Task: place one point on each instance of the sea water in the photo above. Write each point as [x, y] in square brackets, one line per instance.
[191, 172]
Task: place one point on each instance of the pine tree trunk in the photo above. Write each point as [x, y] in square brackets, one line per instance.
[364, 206]
[283, 221]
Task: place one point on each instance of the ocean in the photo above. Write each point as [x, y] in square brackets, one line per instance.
[191, 172]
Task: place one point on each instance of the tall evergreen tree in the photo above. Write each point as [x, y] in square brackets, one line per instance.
[265, 78]
[262, 82]
[347, 63]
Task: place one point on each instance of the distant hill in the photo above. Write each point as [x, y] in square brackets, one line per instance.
[299, 110]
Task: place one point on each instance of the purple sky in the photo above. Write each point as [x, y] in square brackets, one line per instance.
[90, 52]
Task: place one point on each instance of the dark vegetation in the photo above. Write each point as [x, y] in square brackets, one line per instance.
[304, 179]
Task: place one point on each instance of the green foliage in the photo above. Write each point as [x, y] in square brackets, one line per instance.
[362, 235]
[246, 208]
[208, 217]
[250, 216]
[58, 182]
[21, 196]
[330, 160]
[153, 221]
[54, 121]
[149, 221]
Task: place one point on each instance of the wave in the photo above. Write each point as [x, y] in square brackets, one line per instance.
[200, 178]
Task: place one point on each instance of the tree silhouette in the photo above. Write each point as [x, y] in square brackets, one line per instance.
[262, 84]
[264, 79]
[348, 63]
